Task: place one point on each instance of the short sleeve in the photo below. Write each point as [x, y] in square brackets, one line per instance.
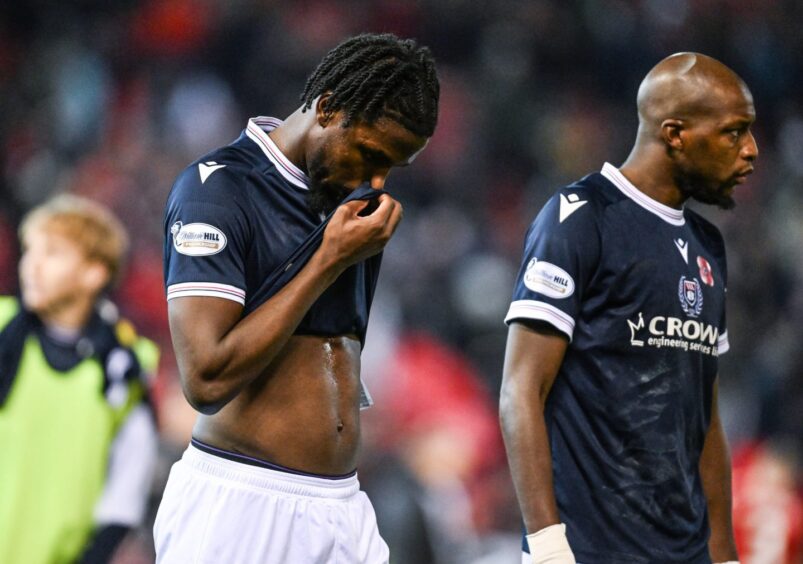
[206, 234]
[561, 253]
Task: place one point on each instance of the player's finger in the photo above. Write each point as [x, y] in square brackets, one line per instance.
[384, 210]
[394, 219]
[352, 208]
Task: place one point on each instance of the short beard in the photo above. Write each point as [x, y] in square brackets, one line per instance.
[324, 198]
[700, 190]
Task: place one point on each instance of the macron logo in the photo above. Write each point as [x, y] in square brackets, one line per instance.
[207, 168]
[683, 247]
[570, 204]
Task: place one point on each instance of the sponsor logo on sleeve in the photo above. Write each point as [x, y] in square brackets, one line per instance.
[197, 239]
[548, 279]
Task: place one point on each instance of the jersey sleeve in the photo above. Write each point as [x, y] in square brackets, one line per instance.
[561, 253]
[206, 234]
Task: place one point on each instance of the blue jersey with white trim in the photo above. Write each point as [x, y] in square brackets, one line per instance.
[233, 218]
[639, 289]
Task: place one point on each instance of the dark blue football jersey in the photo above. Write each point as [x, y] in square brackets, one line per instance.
[639, 289]
[235, 217]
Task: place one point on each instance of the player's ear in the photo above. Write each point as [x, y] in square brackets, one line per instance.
[322, 113]
[671, 130]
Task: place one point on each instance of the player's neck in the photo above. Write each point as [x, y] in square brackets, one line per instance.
[290, 137]
[651, 175]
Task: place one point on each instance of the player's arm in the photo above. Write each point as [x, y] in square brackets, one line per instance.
[533, 356]
[219, 353]
[715, 470]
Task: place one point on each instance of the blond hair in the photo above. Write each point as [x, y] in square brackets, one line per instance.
[91, 226]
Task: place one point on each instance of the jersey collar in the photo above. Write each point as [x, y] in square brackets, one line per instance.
[257, 130]
[668, 214]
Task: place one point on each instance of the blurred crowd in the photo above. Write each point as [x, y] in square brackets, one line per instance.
[111, 99]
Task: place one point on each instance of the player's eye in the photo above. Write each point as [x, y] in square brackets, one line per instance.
[734, 134]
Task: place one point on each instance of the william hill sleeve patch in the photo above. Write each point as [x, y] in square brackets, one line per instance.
[197, 239]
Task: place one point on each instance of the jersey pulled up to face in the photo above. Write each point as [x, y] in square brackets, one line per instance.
[639, 289]
[235, 216]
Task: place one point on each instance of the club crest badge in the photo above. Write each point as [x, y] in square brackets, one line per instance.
[706, 274]
[691, 296]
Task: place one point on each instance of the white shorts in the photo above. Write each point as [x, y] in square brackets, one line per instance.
[218, 511]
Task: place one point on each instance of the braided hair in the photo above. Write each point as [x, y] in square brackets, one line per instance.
[374, 75]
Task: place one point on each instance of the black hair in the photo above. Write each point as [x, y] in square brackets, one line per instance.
[374, 75]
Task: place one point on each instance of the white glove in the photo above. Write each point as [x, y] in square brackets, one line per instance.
[550, 546]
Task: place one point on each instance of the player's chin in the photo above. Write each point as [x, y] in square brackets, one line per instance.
[325, 197]
[721, 197]
[724, 199]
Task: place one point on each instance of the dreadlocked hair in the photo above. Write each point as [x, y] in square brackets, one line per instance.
[374, 75]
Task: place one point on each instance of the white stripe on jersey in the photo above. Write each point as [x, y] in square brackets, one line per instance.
[257, 130]
[669, 215]
[531, 309]
[206, 289]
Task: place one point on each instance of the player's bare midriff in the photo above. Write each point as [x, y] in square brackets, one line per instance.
[302, 412]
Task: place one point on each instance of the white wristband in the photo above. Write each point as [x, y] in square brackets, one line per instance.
[550, 546]
[729, 562]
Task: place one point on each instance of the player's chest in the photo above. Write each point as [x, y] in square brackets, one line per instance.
[283, 225]
[664, 283]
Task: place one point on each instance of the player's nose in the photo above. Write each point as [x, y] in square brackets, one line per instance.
[750, 148]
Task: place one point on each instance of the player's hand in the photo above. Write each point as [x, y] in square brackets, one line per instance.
[350, 237]
[550, 546]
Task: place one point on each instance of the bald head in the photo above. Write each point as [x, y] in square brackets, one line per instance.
[694, 138]
[685, 86]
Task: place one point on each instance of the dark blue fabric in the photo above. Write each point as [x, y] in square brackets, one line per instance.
[340, 308]
[270, 235]
[630, 407]
[103, 546]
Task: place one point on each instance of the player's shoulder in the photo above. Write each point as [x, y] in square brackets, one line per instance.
[219, 176]
[217, 168]
[581, 202]
[593, 188]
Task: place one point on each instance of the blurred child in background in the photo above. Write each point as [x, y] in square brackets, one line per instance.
[77, 433]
